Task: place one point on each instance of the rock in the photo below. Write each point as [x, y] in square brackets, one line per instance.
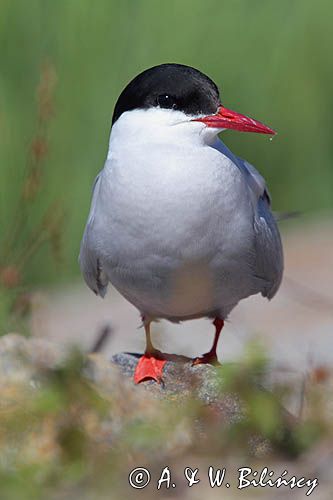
[21, 361]
[190, 402]
[182, 380]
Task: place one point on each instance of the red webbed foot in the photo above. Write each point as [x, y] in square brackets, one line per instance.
[209, 358]
[149, 367]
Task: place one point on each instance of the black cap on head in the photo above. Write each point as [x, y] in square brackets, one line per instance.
[172, 86]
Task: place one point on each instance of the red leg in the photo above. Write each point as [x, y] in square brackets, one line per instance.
[150, 365]
[211, 357]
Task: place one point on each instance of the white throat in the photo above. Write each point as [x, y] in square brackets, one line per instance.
[158, 126]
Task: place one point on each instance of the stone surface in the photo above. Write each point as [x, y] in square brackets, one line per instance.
[181, 380]
[22, 359]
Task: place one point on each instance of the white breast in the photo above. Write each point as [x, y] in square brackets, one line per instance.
[173, 218]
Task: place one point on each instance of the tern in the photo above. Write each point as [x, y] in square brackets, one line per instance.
[178, 224]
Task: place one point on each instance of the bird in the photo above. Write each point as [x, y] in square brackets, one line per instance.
[179, 225]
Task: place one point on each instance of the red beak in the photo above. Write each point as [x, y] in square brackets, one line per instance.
[225, 118]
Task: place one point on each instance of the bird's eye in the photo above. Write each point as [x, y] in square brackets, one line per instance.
[166, 101]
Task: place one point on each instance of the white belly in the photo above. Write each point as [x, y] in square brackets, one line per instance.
[176, 239]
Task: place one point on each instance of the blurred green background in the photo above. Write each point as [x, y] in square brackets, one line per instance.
[272, 60]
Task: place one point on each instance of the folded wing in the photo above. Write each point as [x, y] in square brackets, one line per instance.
[268, 247]
[90, 263]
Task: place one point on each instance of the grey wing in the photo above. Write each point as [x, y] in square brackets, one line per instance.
[89, 261]
[268, 246]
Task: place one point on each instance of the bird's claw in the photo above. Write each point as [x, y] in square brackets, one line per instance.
[209, 358]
